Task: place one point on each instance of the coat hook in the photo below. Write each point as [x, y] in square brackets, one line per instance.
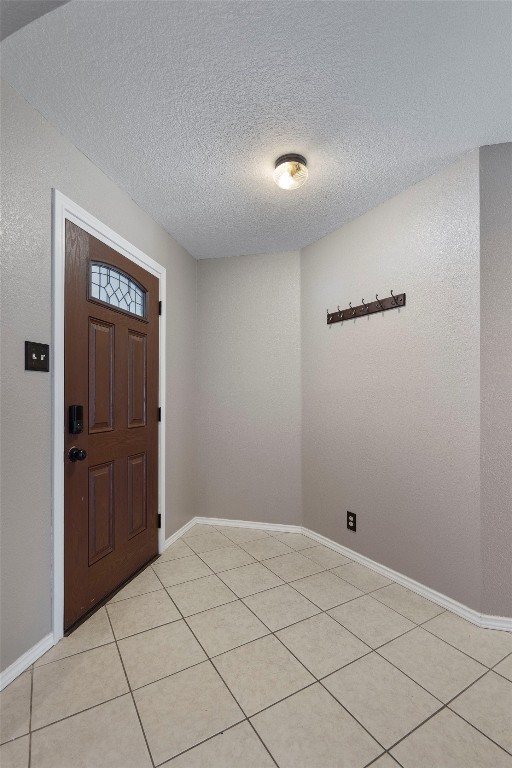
[366, 306]
[394, 302]
[352, 308]
[378, 301]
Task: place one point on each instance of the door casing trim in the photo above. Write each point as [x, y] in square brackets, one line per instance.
[63, 208]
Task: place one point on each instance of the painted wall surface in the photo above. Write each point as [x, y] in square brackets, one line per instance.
[271, 415]
[496, 376]
[248, 380]
[35, 158]
[391, 411]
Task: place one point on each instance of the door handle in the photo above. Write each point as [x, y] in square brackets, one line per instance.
[77, 454]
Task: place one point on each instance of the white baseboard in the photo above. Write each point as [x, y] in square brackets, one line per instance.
[24, 661]
[483, 620]
[179, 533]
[247, 524]
[480, 619]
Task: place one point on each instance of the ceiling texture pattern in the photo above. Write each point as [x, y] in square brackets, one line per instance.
[186, 105]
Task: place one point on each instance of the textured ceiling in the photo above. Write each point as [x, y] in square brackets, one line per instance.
[186, 105]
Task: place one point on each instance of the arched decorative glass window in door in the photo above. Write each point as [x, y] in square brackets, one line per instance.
[113, 287]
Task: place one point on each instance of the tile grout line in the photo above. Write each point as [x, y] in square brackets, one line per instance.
[503, 659]
[323, 569]
[209, 659]
[277, 586]
[376, 759]
[416, 626]
[199, 743]
[78, 653]
[80, 712]
[446, 706]
[326, 611]
[290, 584]
[315, 678]
[272, 633]
[265, 746]
[500, 675]
[448, 703]
[486, 735]
[420, 625]
[442, 610]
[131, 693]
[473, 658]
[443, 705]
[239, 599]
[124, 599]
[434, 714]
[318, 680]
[493, 668]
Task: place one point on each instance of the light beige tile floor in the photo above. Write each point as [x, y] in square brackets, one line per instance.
[129, 617]
[293, 566]
[322, 644]
[179, 549]
[279, 607]
[505, 667]
[226, 558]
[208, 660]
[325, 556]
[200, 595]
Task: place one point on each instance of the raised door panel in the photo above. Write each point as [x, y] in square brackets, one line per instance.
[137, 375]
[101, 511]
[137, 494]
[101, 376]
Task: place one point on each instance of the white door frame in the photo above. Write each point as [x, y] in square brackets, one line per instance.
[65, 209]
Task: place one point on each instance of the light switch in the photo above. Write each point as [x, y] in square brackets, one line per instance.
[37, 356]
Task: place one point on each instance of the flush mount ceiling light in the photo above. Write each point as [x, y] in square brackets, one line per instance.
[290, 171]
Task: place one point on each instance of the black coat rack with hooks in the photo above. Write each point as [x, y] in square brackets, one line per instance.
[366, 308]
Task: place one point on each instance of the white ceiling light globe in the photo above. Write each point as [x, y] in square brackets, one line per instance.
[290, 171]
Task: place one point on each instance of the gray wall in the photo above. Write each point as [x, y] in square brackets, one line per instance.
[248, 407]
[35, 158]
[496, 376]
[391, 402]
[277, 417]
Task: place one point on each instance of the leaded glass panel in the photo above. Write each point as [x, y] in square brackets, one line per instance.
[113, 287]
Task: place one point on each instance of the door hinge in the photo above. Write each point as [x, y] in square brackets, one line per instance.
[159, 307]
[159, 414]
[159, 520]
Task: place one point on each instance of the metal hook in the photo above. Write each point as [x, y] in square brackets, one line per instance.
[394, 302]
[366, 306]
[352, 308]
[378, 301]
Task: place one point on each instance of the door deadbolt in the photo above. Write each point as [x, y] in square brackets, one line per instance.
[77, 454]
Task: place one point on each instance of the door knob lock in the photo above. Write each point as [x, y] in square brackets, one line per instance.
[77, 454]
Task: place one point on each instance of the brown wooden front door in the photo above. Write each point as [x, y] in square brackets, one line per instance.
[111, 370]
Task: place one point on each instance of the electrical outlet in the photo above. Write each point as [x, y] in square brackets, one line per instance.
[351, 521]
